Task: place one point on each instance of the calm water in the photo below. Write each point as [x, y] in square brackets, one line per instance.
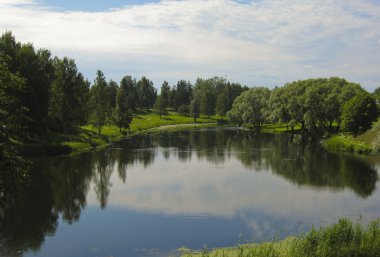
[153, 194]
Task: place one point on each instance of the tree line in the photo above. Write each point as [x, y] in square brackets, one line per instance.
[52, 95]
[314, 105]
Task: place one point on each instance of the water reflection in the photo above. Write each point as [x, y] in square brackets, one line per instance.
[170, 176]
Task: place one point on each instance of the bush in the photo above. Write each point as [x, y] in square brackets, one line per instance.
[359, 113]
[183, 110]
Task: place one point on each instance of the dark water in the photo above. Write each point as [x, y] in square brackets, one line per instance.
[153, 194]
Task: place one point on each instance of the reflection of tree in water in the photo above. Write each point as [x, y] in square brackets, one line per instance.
[282, 154]
[60, 186]
[27, 217]
[69, 179]
[102, 171]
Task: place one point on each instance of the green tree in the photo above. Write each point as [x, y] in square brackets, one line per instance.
[69, 96]
[183, 94]
[130, 87]
[251, 107]
[195, 108]
[8, 51]
[205, 90]
[37, 69]
[162, 101]
[111, 93]
[165, 93]
[172, 97]
[13, 169]
[359, 113]
[376, 94]
[99, 103]
[123, 111]
[221, 107]
[160, 106]
[147, 94]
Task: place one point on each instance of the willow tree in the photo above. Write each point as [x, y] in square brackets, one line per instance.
[251, 107]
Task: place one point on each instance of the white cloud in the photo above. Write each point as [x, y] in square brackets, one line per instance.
[265, 42]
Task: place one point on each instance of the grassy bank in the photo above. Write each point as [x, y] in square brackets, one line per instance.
[86, 137]
[341, 239]
[365, 143]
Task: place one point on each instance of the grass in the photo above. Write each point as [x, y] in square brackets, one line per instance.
[365, 143]
[279, 128]
[86, 137]
[338, 240]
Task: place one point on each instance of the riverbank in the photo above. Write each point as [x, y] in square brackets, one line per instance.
[86, 137]
[367, 143]
[342, 239]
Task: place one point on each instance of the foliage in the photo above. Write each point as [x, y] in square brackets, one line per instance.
[129, 85]
[183, 94]
[206, 93]
[13, 169]
[36, 68]
[221, 107]
[147, 94]
[359, 113]
[314, 104]
[69, 91]
[346, 143]
[165, 94]
[160, 106]
[183, 110]
[98, 101]
[251, 107]
[195, 109]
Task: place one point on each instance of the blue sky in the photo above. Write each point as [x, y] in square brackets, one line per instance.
[257, 43]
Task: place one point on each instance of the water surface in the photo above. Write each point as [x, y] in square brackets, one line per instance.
[149, 195]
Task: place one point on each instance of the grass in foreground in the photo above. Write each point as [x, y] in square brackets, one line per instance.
[338, 240]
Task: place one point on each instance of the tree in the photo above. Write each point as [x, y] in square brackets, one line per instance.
[99, 102]
[69, 95]
[130, 87]
[205, 90]
[37, 69]
[13, 169]
[313, 104]
[376, 94]
[147, 94]
[165, 93]
[183, 94]
[160, 105]
[251, 107]
[359, 113]
[221, 107]
[111, 93]
[195, 108]
[8, 51]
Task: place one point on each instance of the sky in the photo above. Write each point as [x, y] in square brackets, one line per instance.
[256, 43]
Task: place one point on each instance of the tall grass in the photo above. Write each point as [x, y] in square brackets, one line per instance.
[346, 143]
[343, 239]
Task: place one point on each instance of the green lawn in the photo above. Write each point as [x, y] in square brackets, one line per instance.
[86, 137]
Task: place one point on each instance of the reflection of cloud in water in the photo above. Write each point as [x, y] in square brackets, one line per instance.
[198, 187]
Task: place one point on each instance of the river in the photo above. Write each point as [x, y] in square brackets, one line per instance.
[152, 194]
